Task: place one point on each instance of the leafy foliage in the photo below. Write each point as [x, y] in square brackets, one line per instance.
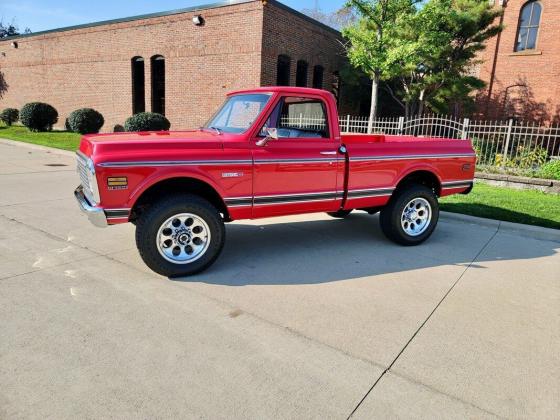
[38, 116]
[85, 121]
[550, 170]
[9, 116]
[10, 29]
[147, 121]
[425, 51]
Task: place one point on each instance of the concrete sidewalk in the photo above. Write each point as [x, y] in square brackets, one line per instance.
[301, 317]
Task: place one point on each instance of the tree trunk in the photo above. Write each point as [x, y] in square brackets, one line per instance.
[373, 108]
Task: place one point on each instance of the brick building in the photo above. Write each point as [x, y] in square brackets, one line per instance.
[180, 63]
[521, 66]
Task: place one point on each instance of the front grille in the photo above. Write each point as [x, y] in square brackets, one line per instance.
[83, 172]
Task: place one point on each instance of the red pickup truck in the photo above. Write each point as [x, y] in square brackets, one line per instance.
[270, 151]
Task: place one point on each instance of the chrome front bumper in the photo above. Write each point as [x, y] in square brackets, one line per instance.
[95, 215]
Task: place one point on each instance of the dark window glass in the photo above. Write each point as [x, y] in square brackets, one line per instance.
[318, 77]
[158, 84]
[301, 73]
[138, 90]
[529, 21]
[283, 71]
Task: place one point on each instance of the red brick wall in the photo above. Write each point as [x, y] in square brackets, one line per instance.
[526, 85]
[91, 67]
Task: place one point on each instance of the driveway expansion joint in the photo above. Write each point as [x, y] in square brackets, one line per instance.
[424, 323]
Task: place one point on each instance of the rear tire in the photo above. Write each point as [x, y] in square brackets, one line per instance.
[411, 215]
[341, 214]
[180, 235]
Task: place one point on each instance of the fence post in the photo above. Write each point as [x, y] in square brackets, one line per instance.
[401, 125]
[506, 146]
[348, 123]
[465, 130]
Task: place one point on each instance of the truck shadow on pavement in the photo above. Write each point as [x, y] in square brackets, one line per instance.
[320, 251]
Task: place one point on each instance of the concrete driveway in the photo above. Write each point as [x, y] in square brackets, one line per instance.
[301, 317]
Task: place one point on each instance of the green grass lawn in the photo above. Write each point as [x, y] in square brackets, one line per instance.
[58, 139]
[519, 206]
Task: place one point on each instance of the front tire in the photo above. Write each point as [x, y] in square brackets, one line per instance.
[180, 235]
[411, 215]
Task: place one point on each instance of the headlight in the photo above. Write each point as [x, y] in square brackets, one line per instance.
[93, 181]
[86, 170]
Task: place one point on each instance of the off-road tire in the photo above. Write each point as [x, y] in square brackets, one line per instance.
[150, 221]
[391, 215]
[341, 214]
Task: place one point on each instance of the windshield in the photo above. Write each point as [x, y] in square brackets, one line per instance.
[238, 112]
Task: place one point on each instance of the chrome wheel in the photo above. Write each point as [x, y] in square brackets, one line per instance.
[416, 216]
[183, 238]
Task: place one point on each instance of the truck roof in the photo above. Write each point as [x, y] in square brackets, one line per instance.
[286, 89]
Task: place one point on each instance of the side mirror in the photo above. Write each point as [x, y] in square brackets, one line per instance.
[271, 134]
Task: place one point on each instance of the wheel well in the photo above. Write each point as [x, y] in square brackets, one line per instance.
[427, 178]
[178, 185]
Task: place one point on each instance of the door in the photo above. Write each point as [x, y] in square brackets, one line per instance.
[296, 173]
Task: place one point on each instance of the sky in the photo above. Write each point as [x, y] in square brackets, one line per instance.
[40, 15]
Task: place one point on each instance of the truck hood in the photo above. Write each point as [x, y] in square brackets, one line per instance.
[154, 144]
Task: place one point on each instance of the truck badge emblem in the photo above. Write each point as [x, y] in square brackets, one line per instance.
[231, 174]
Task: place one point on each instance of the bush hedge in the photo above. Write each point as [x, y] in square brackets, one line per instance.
[38, 116]
[85, 121]
[147, 121]
[550, 170]
[9, 116]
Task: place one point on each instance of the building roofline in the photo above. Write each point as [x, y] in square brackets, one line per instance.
[216, 5]
[133, 18]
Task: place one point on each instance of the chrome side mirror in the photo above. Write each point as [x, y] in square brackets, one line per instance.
[271, 134]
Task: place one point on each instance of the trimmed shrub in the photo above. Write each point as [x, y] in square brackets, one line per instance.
[147, 121]
[550, 170]
[9, 116]
[85, 121]
[38, 116]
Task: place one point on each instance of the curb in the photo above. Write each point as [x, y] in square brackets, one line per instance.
[37, 147]
[536, 232]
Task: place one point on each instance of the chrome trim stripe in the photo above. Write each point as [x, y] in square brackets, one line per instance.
[459, 181]
[457, 185]
[296, 198]
[174, 163]
[374, 192]
[407, 157]
[313, 160]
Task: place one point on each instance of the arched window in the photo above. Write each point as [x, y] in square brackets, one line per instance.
[283, 71]
[138, 89]
[529, 21]
[318, 77]
[301, 73]
[158, 84]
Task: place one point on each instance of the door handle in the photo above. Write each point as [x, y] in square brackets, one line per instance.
[328, 152]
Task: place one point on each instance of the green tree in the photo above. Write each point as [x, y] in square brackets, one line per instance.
[373, 38]
[437, 51]
[10, 29]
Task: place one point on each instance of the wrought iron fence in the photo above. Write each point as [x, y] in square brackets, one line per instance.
[506, 144]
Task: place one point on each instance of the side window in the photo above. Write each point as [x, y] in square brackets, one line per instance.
[299, 117]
